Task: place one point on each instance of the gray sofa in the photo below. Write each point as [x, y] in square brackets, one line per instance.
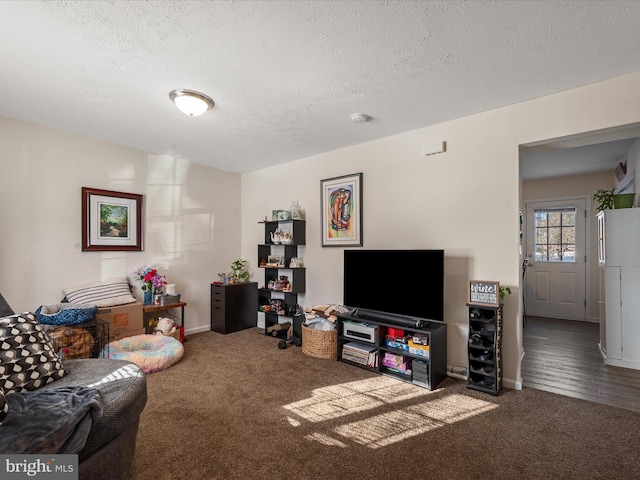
[109, 449]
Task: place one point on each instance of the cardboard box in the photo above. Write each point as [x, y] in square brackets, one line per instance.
[417, 349]
[123, 318]
[130, 333]
[395, 332]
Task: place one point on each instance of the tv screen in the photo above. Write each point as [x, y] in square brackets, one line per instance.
[402, 282]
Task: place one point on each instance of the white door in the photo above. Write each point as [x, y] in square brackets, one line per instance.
[555, 281]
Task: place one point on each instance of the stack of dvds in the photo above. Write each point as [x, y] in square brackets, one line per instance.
[361, 354]
[421, 372]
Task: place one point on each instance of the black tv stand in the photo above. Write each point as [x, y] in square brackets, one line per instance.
[376, 346]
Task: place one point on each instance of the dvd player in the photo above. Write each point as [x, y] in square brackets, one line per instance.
[366, 332]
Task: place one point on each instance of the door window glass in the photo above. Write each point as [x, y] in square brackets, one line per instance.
[555, 234]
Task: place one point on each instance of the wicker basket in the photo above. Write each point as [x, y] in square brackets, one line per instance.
[319, 343]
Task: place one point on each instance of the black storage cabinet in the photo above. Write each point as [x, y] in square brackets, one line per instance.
[233, 307]
[485, 348]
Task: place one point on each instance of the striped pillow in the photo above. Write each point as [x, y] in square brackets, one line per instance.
[107, 293]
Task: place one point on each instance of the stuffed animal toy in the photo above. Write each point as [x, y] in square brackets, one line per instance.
[165, 326]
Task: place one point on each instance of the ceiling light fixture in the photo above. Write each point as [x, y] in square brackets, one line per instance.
[360, 118]
[190, 102]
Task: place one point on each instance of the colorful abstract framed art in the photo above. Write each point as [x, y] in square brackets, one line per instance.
[111, 221]
[341, 204]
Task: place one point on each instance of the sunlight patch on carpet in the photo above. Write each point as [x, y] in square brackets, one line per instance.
[381, 430]
[337, 401]
[424, 414]
[293, 422]
[453, 408]
[326, 440]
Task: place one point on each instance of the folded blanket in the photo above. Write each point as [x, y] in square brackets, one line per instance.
[57, 420]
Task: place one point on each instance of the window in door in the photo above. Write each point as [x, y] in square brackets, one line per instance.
[555, 234]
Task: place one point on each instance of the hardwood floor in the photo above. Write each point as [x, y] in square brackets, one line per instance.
[562, 356]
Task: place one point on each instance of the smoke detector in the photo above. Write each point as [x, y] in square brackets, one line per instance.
[360, 118]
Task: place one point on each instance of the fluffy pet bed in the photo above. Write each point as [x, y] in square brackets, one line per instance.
[150, 352]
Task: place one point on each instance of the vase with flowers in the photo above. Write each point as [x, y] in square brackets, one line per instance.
[152, 283]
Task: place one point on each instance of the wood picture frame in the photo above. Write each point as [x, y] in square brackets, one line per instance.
[111, 221]
[341, 215]
[484, 293]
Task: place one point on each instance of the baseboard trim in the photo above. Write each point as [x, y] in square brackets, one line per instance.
[191, 331]
[459, 376]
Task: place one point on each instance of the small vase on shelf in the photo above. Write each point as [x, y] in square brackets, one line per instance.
[295, 210]
[148, 297]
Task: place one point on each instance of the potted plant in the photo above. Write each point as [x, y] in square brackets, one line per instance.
[240, 271]
[152, 283]
[604, 199]
[624, 200]
[607, 199]
[504, 291]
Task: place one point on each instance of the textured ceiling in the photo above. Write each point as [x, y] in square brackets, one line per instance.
[287, 75]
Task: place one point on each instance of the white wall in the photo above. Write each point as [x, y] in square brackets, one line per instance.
[465, 200]
[191, 221]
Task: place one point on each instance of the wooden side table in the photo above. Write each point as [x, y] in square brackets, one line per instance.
[147, 310]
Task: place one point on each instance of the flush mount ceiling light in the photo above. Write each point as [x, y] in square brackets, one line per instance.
[360, 118]
[190, 102]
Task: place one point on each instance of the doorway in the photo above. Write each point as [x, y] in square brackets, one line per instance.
[554, 337]
[556, 258]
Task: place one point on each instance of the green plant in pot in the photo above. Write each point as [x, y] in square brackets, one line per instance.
[607, 200]
[240, 271]
[624, 200]
[504, 291]
[604, 198]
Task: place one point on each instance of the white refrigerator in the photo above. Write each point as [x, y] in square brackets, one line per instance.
[619, 260]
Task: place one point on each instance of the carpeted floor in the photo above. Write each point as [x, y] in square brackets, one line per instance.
[237, 407]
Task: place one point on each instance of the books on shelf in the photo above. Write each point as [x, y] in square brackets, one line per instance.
[361, 354]
[420, 372]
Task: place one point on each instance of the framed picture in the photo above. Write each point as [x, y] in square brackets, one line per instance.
[341, 204]
[111, 221]
[485, 293]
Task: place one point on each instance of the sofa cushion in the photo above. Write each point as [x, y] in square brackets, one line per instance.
[123, 392]
[107, 293]
[4, 407]
[27, 358]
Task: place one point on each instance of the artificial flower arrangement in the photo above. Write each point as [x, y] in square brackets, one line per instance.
[152, 280]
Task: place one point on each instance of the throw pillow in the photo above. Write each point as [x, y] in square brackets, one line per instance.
[107, 293]
[27, 358]
[4, 407]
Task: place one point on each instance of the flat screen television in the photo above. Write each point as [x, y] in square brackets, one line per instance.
[399, 282]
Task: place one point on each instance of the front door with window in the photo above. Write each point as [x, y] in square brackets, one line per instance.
[555, 279]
